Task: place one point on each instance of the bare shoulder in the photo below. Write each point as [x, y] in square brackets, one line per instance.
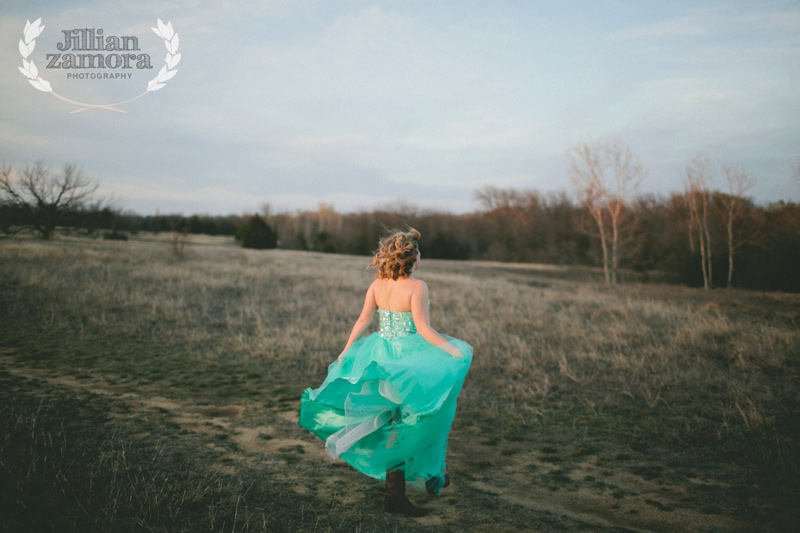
[374, 287]
[418, 286]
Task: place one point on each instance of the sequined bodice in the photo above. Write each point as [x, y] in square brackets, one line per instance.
[395, 323]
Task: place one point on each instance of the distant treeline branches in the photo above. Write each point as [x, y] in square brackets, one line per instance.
[701, 236]
[659, 234]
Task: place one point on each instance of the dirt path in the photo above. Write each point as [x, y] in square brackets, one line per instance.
[487, 478]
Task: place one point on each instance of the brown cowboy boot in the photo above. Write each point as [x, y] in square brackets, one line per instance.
[396, 501]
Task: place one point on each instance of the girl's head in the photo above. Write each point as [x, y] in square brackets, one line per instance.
[397, 254]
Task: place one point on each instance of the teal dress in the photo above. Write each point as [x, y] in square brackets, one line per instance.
[389, 402]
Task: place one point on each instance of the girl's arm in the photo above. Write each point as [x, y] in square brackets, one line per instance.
[364, 320]
[421, 314]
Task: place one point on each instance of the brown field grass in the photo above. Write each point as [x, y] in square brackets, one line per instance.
[148, 390]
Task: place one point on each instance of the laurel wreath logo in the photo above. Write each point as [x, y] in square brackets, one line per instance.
[34, 29]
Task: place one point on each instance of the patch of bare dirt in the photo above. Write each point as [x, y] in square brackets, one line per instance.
[487, 479]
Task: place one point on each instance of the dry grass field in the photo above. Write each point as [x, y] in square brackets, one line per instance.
[143, 391]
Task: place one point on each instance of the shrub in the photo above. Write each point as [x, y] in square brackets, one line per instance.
[447, 246]
[257, 234]
[115, 236]
[325, 242]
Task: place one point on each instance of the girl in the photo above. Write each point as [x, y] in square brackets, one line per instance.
[388, 401]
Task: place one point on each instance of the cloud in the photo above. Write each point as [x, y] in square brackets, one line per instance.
[295, 102]
[683, 27]
[771, 21]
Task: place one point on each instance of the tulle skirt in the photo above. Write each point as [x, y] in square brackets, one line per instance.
[388, 404]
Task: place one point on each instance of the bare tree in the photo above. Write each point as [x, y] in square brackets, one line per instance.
[627, 174]
[605, 177]
[516, 218]
[43, 197]
[588, 181]
[697, 180]
[739, 181]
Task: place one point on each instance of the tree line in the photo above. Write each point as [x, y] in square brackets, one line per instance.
[655, 234]
[704, 236]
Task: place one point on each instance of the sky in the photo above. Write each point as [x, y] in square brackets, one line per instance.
[365, 104]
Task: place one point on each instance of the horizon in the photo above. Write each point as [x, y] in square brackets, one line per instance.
[415, 210]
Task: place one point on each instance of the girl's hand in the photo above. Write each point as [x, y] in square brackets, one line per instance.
[452, 350]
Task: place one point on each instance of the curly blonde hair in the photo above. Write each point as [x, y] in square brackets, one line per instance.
[396, 254]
